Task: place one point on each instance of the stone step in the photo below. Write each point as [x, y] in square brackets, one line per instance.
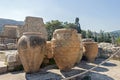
[3, 67]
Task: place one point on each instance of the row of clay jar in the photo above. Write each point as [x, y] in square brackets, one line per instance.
[65, 47]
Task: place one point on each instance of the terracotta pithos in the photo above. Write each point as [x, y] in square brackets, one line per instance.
[65, 48]
[34, 24]
[49, 50]
[81, 48]
[31, 48]
[91, 50]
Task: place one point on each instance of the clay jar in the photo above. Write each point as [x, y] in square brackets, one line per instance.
[49, 50]
[65, 48]
[31, 48]
[91, 50]
[81, 48]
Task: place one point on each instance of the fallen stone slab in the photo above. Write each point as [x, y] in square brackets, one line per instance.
[3, 67]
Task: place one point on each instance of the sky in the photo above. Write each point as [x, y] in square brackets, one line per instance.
[94, 15]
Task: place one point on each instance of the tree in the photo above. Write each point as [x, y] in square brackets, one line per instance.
[118, 41]
[69, 25]
[107, 38]
[51, 26]
[95, 36]
[101, 36]
[83, 32]
[89, 34]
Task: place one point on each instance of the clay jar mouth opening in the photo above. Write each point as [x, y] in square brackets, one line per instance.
[64, 30]
[32, 33]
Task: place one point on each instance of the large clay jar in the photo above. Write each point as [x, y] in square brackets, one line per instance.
[81, 48]
[49, 50]
[31, 48]
[33, 24]
[65, 48]
[91, 50]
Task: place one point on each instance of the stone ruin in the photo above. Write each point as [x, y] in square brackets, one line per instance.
[32, 24]
[10, 31]
[9, 37]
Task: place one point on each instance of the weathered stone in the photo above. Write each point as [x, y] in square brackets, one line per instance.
[34, 24]
[11, 31]
[12, 60]
[2, 56]
[3, 47]
[3, 67]
[11, 46]
[107, 49]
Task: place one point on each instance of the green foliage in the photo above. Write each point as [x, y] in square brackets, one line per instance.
[83, 32]
[104, 37]
[51, 26]
[108, 38]
[118, 41]
[69, 25]
[89, 34]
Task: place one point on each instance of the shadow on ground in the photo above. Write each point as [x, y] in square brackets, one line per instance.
[53, 73]
[108, 64]
[98, 76]
[87, 66]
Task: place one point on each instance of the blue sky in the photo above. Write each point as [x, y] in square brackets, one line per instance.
[95, 15]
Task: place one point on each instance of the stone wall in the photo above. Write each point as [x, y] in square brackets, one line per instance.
[10, 31]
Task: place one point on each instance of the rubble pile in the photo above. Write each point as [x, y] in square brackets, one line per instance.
[105, 50]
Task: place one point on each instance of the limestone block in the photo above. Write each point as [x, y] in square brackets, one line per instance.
[3, 67]
[11, 46]
[10, 31]
[2, 47]
[12, 59]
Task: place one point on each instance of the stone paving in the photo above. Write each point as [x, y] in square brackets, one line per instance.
[107, 71]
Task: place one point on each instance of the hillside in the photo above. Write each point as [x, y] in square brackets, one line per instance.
[9, 21]
[116, 33]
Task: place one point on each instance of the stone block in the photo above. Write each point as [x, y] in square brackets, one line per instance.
[3, 67]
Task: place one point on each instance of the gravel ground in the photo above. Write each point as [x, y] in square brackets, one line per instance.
[107, 71]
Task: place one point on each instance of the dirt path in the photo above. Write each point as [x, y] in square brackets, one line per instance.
[107, 71]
